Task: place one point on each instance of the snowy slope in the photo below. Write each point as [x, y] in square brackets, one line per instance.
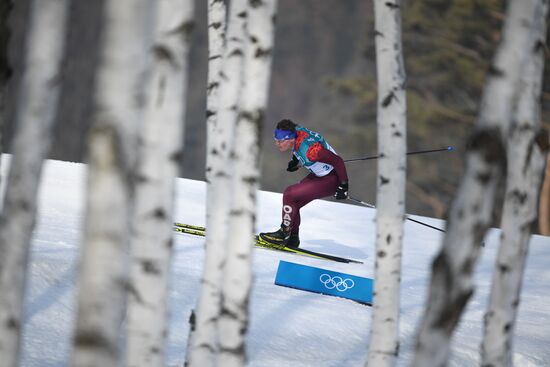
[288, 327]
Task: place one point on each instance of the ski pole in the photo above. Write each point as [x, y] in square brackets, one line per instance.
[409, 153]
[409, 218]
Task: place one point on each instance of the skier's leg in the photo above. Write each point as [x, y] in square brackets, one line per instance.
[298, 195]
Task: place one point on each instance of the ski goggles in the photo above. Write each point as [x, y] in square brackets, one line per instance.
[280, 135]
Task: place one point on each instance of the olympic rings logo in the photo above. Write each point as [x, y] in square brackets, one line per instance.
[336, 282]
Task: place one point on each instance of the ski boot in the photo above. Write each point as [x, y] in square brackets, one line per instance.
[283, 237]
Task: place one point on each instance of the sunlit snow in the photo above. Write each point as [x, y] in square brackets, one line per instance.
[288, 327]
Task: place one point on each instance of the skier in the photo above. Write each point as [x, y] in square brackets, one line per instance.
[327, 176]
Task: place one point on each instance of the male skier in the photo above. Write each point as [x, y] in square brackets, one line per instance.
[328, 176]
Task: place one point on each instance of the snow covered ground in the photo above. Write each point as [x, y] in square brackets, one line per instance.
[288, 327]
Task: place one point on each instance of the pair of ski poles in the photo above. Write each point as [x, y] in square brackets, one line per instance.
[409, 153]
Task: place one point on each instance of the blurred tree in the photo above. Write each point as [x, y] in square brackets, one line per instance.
[244, 158]
[5, 69]
[104, 269]
[37, 103]
[527, 148]
[473, 207]
[160, 151]
[202, 341]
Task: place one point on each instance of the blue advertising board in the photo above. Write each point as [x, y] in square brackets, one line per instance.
[323, 281]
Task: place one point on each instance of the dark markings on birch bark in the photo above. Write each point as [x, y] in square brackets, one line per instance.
[388, 239]
[159, 213]
[539, 46]
[139, 178]
[94, 339]
[24, 204]
[12, 323]
[215, 25]
[236, 212]
[132, 291]
[453, 307]
[150, 267]
[261, 52]
[192, 320]
[184, 30]
[255, 3]
[163, 53]
[483, 178]
[155, 350]
[236, 52]
[488, 143]
[468, 266]
[496, 72]
[392, 6]
[384, 180]
[388, 99]
[177, 156]
[519, 196]
[251, 180]
[210, 112]
[242, 14]
[503, 268]
[381, 254]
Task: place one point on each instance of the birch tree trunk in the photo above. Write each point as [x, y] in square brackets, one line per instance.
[103, 282]
[5, 69]
[392, 166]
[204, 346]
[217, 11]
[201, 348]
[37, 104]
[526, 154]
[160, 151]
[472, 210]
[245, 160]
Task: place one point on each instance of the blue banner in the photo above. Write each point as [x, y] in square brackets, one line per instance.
[323, 281]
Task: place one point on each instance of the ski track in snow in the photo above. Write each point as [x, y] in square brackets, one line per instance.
[287, 326]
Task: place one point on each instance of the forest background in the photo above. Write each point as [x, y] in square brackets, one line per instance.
[323, 77]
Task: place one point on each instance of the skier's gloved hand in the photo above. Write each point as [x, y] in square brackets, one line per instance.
[342, 191]
[293, 164]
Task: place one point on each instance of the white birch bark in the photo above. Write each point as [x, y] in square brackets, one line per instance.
[392, 165]
[36, 111]
[5, 10]
[526, 154]
[217, 11]
[112, 151]
[204, 346]
[160, 152]
[245, 160]
[471, 212]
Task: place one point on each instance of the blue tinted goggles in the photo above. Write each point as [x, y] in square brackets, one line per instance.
[284, 134]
